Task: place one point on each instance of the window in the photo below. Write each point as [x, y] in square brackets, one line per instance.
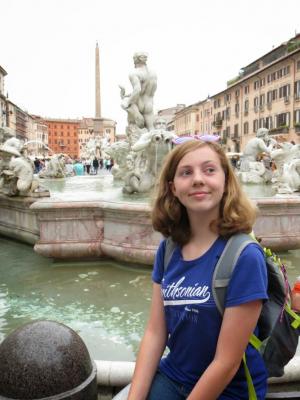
[284, 91]
[255, 125]
[269, 97]
[237, 108]
[297, 117]
[256, 85]
[246, 89]
[246, 128]
[197, 118]
[282, 120]
[227, 98]
[236, 129]
[269, 123]
[298, 65]
[274, 94]
[262, 82]
[297, 90]
[228, 131]
[246, 105]
[262, 99]
[228, 112]
[261, 122]
[237, 93]
[255, 101]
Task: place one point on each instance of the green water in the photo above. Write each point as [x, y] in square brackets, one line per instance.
[105, 303]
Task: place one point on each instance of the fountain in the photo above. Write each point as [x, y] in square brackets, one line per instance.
[97, 227]
[115, 223]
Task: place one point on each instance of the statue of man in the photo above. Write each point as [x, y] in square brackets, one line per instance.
[260, 144]
[139, 104]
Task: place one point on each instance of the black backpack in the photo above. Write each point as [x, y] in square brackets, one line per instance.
[278, 324]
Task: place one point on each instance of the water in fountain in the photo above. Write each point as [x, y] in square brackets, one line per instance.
[106, 303]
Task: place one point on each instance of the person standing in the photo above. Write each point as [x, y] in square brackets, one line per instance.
[200, 204]
[95, 165]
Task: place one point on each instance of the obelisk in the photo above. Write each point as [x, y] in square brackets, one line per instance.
[97, 84]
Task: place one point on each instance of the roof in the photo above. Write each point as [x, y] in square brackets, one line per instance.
[2, 70]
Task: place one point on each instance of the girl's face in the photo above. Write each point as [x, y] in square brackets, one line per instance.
[199, 182]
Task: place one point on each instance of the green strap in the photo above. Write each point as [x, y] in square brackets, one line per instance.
[251, 388]
[256, 343]
[296, 323]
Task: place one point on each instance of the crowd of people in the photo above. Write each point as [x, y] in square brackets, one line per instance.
[80, 166]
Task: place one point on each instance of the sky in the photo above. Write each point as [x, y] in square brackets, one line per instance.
[47, 47]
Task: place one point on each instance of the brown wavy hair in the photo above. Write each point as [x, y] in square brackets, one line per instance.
[169, 216]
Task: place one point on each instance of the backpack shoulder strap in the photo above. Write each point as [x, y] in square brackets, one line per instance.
[225, 267]
[169, 249]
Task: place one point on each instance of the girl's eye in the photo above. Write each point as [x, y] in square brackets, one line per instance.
[185, 172]
[210, 170]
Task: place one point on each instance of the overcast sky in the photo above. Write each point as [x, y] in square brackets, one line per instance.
[47, 48]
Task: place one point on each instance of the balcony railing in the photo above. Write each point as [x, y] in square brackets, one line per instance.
[280, 129]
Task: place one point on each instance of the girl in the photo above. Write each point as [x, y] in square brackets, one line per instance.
[200, 205]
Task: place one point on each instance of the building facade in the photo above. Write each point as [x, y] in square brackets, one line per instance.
[266, 93]
[63, 135]
[3, 115]
[37, 133]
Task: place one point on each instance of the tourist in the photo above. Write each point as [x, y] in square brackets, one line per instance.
[95, 165]
[37, 165]
[78, 168]
[88, 166]
[200, 204]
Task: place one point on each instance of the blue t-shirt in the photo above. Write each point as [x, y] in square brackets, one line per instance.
[193, 321]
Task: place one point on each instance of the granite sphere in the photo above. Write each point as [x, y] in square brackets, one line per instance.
[46, 359]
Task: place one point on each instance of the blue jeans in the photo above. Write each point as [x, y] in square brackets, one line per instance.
[165, 388]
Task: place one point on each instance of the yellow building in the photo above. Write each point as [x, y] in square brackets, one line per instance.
[266, 93]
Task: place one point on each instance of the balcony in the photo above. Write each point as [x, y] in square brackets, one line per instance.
[255, 109]
[280, 129]
[218, 123]
[262, 107]
[235, 137]
[297, 127]
[287, 100]
[269, 105]
[246, 112]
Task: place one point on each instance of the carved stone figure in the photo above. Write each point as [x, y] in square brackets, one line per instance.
[16, 170]
[150, 149]
[118, 152]
[286, 178]
[55, 168]
[139, 103]
[251, 170]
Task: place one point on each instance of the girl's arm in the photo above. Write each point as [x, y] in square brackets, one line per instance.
[151, 349]
[238, 324]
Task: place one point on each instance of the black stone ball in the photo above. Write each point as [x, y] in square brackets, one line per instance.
[46, 359]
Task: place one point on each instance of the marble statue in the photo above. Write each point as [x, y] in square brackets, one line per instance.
[251, 170]
[95, 146]
[16, 170]
[148, 140]
[139, 103]
[55, 168]
[286, 179]
[118, 151]
[151, 149]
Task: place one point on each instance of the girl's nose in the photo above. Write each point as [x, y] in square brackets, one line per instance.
[198, 178]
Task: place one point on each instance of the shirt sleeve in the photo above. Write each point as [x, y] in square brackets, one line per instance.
[249, 280]
[158, 268]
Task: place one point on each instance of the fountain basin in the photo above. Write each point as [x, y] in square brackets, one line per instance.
[97, 229]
